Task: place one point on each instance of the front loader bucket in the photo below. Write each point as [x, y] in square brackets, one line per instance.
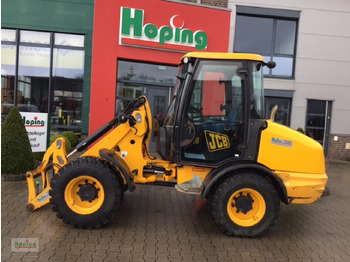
[39, 180]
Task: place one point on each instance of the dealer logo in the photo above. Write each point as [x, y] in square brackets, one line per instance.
[133, 31]
[35, 122]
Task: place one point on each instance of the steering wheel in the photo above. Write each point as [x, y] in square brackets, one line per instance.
[189, 133]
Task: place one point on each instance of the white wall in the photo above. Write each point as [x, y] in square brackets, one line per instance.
[322, 69]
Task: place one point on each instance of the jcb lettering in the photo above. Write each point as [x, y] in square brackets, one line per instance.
[216, 141]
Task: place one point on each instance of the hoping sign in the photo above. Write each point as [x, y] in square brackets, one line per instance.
[36, 126]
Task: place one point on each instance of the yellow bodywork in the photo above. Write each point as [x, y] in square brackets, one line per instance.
[39, 178]
[125, 141]
[296, 159]
[134, 152]
[224, 56]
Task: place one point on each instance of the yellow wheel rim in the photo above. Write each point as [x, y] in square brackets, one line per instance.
[246, 207]
[84, 195]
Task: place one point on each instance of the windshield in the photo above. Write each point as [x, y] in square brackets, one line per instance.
[170, 116]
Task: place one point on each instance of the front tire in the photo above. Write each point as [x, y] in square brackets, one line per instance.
[85, 193]
[244, 205]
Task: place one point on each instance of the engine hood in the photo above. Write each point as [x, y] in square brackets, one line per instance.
[284, 149]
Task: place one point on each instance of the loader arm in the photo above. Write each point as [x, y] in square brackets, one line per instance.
[39, 181]
[56, 157]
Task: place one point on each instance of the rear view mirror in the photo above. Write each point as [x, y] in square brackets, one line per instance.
[270, 64]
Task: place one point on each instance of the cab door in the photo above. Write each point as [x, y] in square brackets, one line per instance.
[213, 122]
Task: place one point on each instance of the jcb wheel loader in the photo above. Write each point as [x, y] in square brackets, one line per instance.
[213, 142]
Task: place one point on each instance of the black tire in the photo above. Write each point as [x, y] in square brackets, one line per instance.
[245, 205]
[86, 193]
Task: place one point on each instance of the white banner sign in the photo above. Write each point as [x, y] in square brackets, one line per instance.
[36, 126]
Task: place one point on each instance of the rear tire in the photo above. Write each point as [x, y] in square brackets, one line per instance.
[86, 193]
[244, 205]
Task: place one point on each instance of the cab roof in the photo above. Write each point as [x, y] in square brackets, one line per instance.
[228, 56]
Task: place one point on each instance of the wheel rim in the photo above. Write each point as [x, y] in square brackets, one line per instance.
[84, 195]
[246, 207]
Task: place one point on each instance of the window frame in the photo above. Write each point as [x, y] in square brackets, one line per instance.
[51, 46]
[276, 15]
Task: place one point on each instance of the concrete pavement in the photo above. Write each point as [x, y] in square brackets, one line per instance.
[159, 224]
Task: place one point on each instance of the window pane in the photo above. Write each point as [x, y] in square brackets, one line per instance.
[283, 113]
[258, 91]
[316, 119]
[33, 77]
[253, 34]
[125, 93]
[285, 37]
[316, 107]
[68, 74]
[316, 133]
[215, 109]
[68, 63]
[8, 35]
[147, 73]
[8, 60]
[69, 40]
[35, 37]
[284, 66]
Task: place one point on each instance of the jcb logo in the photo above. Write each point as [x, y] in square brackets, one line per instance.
[216, 141]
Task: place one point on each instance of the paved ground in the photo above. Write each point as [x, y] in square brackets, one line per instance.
[160, 224]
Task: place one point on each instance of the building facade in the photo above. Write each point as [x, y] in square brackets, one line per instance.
[46, 60]
[310, 43]
[50, 64]
[137, 47]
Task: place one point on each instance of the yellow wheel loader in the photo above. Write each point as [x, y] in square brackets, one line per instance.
[213, 142]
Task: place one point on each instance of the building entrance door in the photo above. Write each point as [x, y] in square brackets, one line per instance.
[318, 121]
[158, 98]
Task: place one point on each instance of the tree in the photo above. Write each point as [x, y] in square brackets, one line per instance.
[16, 152]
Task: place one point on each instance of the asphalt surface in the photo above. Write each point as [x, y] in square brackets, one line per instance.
[159, 224]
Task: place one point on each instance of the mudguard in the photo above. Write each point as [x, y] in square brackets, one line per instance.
[219, 172]
[121, 165]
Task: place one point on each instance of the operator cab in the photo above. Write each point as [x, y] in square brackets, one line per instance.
[216, 98]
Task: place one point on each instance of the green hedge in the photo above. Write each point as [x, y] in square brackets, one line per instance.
[38, 156]
[72, 137]
[16, 152]
[68, 144]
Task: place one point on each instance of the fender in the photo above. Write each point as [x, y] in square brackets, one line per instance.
[219, 172]
[122, 166]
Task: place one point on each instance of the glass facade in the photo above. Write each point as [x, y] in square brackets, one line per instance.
[43, 72]
[134, 78]
[155, 81]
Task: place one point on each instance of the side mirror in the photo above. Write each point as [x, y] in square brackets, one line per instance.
[270, 64]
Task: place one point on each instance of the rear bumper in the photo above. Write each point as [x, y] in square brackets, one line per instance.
[303, 188]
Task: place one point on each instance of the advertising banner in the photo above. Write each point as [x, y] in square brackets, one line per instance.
[36, 125]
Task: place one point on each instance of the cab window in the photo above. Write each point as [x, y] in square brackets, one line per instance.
[212, 127]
